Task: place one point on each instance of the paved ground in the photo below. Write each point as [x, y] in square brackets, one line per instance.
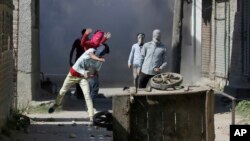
[62, 131]
[70, 124]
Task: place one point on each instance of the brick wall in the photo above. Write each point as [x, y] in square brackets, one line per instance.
[6, 84]
[206, 43]
[206, 36]
[6, 60]
[232, 46]
[211, 39]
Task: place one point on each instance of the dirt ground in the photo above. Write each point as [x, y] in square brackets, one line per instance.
[223, 118]
[222, 123]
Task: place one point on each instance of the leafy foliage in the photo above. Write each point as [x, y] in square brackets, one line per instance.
[243, 108]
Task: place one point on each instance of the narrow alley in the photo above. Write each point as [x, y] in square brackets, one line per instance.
[172, 70]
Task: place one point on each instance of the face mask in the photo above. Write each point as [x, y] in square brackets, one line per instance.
[156, 36]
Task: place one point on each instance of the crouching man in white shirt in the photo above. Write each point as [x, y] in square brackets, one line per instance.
[86, 66]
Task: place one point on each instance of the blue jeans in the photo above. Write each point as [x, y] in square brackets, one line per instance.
[94, 86]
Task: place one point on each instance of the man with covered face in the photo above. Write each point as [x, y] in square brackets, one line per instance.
[153, 59]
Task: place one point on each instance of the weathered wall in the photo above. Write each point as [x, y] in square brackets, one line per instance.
[216, 43]
[222, 46]
[28, 82]
[6, 60]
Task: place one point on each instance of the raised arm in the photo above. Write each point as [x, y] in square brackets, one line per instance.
[105, 37]
[84, 39]
[94, 57]
[76, 42]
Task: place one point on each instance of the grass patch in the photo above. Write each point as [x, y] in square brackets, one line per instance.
[243, 108]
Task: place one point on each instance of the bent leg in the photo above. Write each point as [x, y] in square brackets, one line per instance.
[68, 82]
[78, 92]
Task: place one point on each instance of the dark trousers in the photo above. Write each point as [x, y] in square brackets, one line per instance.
[94, 88]
[143, 80]
[78, 92]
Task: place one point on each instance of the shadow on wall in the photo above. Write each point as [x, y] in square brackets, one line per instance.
[239, 84]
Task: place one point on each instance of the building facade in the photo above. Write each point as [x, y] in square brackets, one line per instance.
[218, 42]
[218, 49]
[229, 50]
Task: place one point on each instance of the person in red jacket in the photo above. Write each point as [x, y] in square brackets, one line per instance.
[97, 39]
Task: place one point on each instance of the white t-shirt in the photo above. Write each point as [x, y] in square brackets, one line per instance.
[85, 64]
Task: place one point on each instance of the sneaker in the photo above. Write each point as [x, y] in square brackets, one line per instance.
[95, 111]
[52, 108]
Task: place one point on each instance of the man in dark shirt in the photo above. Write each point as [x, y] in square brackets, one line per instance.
[79, 51]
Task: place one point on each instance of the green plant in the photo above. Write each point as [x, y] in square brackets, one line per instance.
[243, 108]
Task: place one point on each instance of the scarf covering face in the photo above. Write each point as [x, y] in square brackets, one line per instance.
[157, 36]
